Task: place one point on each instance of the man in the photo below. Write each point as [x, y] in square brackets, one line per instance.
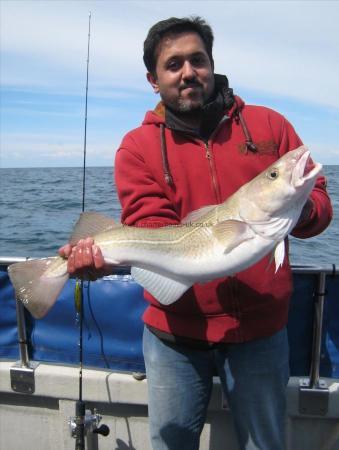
[197, 147]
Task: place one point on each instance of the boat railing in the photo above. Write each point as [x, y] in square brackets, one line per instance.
[313, 393]
[328, 269]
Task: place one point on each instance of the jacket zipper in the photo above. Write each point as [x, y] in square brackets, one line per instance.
[212, 173]
[233, 283]
[210, 158]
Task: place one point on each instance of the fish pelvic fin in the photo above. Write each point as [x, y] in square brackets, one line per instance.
[38, 283]
[89, 224]
[164, 289]
[231, 233]
[279, 255]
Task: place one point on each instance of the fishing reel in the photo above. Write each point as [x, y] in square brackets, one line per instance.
[85, 424]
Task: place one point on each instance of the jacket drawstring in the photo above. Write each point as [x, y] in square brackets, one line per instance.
[165, 165]
[250, 145]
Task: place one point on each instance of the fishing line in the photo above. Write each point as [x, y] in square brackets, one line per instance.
[101, 336]
[80, 409]
[81, 296]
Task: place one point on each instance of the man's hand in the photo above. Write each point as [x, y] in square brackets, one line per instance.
[85, 260]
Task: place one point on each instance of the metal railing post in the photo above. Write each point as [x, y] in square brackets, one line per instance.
[22, 373]
[317, 332]
[313, 392]
[22, 336]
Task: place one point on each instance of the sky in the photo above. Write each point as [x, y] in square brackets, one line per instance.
[281, 54]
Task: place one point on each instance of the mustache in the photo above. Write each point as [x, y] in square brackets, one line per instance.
[190, 84]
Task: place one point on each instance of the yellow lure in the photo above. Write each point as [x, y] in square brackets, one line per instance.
[77, 296]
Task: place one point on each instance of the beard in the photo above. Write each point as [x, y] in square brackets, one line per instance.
[194, 101]
[188, 105]
[190, 98]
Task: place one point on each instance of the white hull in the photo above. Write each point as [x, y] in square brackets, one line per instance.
[40, 421]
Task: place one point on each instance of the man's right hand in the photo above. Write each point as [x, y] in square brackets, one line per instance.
[84, 260]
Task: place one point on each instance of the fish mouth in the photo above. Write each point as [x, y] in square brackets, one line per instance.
[305, 169]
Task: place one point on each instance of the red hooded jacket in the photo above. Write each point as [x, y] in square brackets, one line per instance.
[163, 175]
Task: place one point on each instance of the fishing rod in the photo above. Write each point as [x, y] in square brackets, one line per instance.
[85, 130]
[84, 421]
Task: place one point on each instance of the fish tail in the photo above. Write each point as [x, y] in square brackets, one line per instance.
[38, 283]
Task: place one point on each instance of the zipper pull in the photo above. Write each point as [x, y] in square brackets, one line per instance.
[207, 150]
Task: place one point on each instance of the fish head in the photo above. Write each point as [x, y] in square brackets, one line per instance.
[282, 187]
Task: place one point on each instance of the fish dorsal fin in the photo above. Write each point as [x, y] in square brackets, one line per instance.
[231, 233]
[197, 214]
[89, 224]
[164, 289]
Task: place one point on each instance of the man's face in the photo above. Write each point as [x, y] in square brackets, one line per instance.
[184, 74]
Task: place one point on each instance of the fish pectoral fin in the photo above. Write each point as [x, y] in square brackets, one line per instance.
[89, 224]
[164, 289]
[231, 233]
[279, 255]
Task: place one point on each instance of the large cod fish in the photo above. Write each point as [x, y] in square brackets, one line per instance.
[212, 242]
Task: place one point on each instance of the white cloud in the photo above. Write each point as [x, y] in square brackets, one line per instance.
[285, 48]
[56, 150]
[282, 49]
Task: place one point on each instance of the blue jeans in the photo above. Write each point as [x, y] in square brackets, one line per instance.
[253, 375]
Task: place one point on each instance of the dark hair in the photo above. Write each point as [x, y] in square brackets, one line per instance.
[175, 26]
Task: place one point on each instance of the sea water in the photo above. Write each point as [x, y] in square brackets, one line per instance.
[39, 206]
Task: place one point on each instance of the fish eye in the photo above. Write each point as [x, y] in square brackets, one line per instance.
[272, 174]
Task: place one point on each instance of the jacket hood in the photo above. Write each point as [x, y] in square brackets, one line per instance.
[157, 117]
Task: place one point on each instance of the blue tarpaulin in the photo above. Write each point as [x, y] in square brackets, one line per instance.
[112, 332]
